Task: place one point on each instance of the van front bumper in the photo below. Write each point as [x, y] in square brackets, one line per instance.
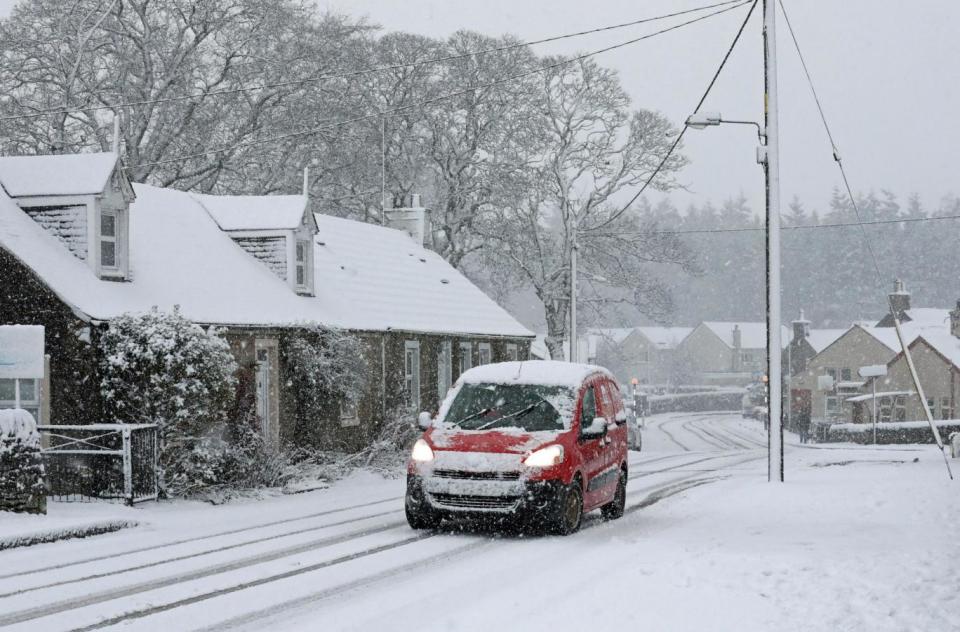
[482, 500]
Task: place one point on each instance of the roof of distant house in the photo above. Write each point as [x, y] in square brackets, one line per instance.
[820, 339]
[254, 212]
[752, 335]
[665, 337]
[367, 277]
[945, 343]
[59, 174]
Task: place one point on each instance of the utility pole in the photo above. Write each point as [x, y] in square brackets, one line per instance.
[772, 171]
[574, 343]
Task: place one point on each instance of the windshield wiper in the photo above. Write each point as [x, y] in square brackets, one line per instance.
[479, 413]
[518, 413]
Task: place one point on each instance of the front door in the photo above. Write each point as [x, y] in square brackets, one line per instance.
[263, 391]
[268, 392]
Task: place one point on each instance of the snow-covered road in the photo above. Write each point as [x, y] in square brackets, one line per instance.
[726, 551]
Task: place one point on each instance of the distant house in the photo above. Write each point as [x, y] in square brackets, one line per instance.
[727, 353]
[860, 345]
[645, 353]
[936, 356]
[805, 344]
[80, 246]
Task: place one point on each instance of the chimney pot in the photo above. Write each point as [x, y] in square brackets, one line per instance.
[900, 300]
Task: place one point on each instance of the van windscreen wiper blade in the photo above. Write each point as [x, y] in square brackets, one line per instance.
[519, 413]
[482, 411]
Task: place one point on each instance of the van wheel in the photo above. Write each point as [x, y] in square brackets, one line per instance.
[419, 514]
[569, 511]
[614, 509]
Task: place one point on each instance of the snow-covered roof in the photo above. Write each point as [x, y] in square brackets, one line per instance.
[752, 335]
[665, 337]
[945, 343]
[929, 317]
[539, 349]
[367, 277]
[869, 396]
[254, 212]
[820, 339]
[60, 174]
[375, 277]
[609, 336]
[547, 372]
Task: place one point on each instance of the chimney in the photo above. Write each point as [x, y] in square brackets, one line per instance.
[899, 299]
[955, 320]
[801, 327]
[737, 343]
[116, 135]
[413, 220]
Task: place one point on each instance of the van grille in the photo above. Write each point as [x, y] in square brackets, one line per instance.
[476, 502]
[477, 476]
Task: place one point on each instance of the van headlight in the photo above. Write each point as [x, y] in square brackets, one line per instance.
[421, 452]
[545, 457]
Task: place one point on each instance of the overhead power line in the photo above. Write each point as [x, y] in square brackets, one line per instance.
[360, 73]
[873, 256]
[676, 141]
[450, 95]
[761, 229]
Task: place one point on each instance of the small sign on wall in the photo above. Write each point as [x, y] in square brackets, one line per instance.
[21, 352]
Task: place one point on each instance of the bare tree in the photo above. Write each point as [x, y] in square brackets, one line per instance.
[592, 149]
[102, 53]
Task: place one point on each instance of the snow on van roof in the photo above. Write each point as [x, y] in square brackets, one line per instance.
[547, 372]
[254, 212]
[58, 174]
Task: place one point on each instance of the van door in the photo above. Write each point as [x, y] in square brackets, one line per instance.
[591, 450]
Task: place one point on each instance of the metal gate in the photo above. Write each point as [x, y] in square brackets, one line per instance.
[101, 462]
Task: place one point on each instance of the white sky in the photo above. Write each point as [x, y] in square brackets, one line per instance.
[882, 67]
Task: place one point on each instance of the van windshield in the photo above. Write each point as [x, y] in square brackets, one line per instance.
[531, 407]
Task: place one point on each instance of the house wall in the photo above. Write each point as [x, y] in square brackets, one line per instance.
[74, 379]
[937, 376]
[852, 350]
[706, 351]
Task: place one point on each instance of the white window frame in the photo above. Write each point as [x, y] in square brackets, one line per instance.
[484, 348]
[513, 352]
[304, 264]
[33, 405]
[466, 353]
[444, 369]
[411, 373]
[116, 239]
[946, 408]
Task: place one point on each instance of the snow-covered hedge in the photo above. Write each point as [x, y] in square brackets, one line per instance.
[161, 368]
[889, 432]
[696, 402]
[21, 467]
[326, 369]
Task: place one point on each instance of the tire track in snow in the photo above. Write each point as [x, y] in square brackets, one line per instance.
[208, 536]
[659, 493]
[125, 591]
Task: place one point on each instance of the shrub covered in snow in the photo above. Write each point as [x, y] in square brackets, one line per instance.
[161, 368]
[21, 468]
[327, 370]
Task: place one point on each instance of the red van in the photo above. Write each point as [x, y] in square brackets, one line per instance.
[540, 442]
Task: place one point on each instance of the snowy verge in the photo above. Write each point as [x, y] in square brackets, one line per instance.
[63, 521]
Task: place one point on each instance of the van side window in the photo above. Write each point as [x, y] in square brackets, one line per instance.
[588, 408]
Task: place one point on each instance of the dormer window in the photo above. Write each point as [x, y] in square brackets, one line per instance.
[111, 241]
[302, 262]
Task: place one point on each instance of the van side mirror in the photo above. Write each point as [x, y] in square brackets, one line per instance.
[596, 429]
[424, 420]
